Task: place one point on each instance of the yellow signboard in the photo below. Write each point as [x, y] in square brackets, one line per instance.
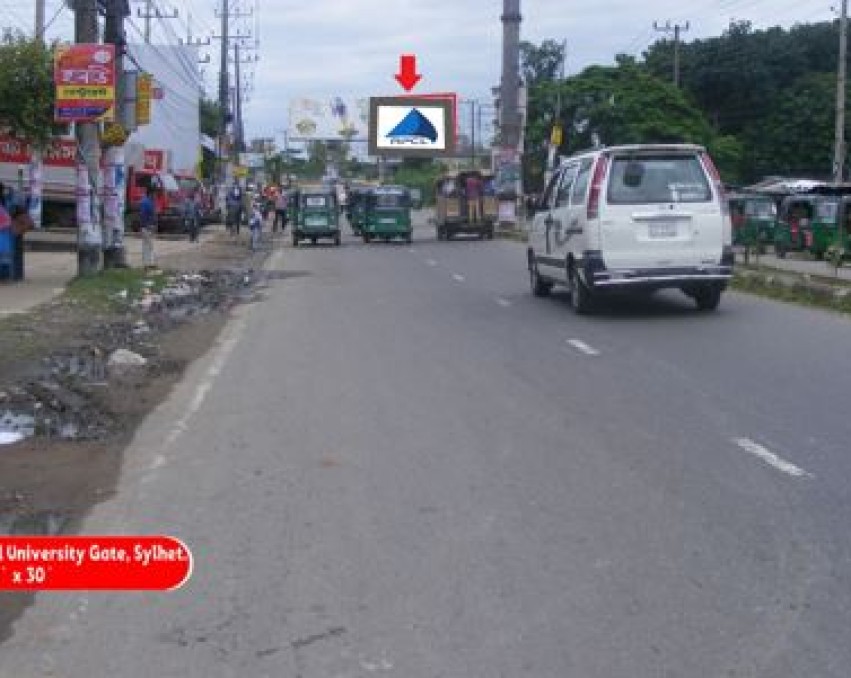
[556, 135]
[144, 90]
[240, 172]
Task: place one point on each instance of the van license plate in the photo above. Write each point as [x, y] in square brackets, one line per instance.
[392, 222]
[664, 229]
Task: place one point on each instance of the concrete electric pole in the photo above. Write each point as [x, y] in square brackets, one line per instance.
[114, 178]
[89, 237]
[839, 136]
[676, 29]
[509, 89]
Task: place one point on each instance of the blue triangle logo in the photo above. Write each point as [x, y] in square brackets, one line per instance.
[414, 124]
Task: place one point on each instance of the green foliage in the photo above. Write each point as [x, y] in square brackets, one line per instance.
[26, 87]
[621, 104]
[540, 63]
[795, 137]
[209, 113]
[419, 173]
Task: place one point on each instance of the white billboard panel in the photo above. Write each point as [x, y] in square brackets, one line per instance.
[332, 118]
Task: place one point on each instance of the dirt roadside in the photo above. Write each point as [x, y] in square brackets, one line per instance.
[77, 409]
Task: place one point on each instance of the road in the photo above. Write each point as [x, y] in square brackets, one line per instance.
[401, 463]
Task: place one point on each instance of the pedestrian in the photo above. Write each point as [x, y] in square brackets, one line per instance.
[255, 224]
[234, 208]
[191, 215]
[6, 241]
[281, 205]
[148, 222]
[473, 191]
[21, 223]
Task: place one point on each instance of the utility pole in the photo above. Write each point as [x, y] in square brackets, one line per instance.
[473, 133]
[239, 141]
[89, 237]
[676, 29]
[114, 181]
[508, 167]
[39, 20]
[557, 132]
[226, 14]
[151, 13]
[839, 137]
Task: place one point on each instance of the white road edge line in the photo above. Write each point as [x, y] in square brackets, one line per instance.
[580, 345]
[503, 302]
[458, 277]
[770, 458]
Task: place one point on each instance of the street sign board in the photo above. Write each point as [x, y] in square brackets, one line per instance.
[414, 126]
[84, 78]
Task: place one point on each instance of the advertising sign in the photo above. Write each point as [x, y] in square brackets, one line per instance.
[155, 159]
[58, 153]
[144, 93]
[84, 77]
[411, 126]
[332, 118]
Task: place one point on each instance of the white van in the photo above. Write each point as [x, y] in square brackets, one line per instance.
[641, 217]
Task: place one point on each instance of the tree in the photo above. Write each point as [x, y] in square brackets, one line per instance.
[624, 104]
[26, 88]
[540, 63]
[210, 117]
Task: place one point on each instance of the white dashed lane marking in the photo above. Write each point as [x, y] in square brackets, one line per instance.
[503, 302]
[457, 277]
[770, 458]
[431, 262]
[581, 346]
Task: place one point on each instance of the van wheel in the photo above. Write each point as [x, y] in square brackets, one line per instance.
[707, 298]
[780, 251]
[580, 295]
[540, 287]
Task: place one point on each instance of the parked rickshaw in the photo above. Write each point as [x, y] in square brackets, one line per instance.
[807, 222]
[753, 217]
[388, 214]
[451, 211]
[316, 216]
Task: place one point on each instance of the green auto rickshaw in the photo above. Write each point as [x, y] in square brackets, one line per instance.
[388, 214]
[807, 223]
[753, 217]
[316, 216]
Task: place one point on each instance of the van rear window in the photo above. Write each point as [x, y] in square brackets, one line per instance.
[658, 178]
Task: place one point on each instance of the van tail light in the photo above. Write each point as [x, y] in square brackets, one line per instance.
[596, 187]
[716, 179]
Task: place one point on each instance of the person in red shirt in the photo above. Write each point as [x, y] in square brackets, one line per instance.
[473, 192]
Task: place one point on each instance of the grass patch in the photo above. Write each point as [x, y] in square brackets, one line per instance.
[793, 288]
[114, 287]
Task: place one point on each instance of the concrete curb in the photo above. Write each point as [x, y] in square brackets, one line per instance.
[803, 288]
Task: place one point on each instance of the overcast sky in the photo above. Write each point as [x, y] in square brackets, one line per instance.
[328, 48]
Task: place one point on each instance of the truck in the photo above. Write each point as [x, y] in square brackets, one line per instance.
[145, 168]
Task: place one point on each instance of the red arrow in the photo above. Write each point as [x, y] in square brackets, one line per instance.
[407, 75]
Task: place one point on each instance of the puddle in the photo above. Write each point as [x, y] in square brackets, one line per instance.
[14, 427]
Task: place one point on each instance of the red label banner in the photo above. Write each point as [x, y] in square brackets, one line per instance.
[157, 563]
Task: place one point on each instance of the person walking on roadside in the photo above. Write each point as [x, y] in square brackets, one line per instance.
[234, 208]
[255, 223]
[191, 215]
[281, 205]
[148, 219]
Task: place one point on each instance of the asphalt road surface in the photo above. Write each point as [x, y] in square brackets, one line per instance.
[401, 463]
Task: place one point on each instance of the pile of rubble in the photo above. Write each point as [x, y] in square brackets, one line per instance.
[60, 399]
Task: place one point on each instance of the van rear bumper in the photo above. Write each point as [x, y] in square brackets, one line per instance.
[598, 276]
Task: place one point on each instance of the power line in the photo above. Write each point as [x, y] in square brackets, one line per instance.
[676, 29]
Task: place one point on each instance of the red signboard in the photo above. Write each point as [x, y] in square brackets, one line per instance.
[84, 76]
[58, 153]
[154, 159]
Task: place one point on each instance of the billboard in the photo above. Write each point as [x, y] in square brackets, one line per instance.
[332, 118]
[84, 78]
[411, 126]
